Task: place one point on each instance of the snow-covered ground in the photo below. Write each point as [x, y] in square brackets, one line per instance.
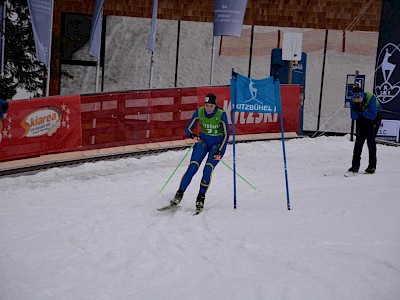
[93, 232]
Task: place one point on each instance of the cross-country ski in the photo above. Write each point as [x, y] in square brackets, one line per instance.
[169, 206]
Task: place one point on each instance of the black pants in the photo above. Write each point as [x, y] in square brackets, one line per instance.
[378, 122]
[365, 130]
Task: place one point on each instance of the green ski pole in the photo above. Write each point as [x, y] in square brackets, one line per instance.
[239, 175]
[177, 167]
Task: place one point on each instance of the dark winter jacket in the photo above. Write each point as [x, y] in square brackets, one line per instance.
[369, 108]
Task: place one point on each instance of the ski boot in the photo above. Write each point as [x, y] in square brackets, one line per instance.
[370, 170]
[200, 203]
[353, 170]
[177, 199]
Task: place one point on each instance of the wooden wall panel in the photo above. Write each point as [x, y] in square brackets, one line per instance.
[317, 14]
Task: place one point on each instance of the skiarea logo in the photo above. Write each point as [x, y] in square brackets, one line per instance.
[388, 89]
[46, 121]
[43, 121]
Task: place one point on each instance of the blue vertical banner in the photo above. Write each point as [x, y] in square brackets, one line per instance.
[152, 38]
[95, 30]
[387, 74]
[41, 12]
[228, 17]
[256, 96]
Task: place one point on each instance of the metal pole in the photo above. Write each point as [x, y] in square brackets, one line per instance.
[251, 50]
[103, 49]
[177, 53]
[102, 78]
[352, 121]
[49, 62]
[233, 115]
[97, 75]
[212, 60]
[98, 58]
[3, 37]
[284, 161]
[151, 70]
[322, 78]
[290, 72]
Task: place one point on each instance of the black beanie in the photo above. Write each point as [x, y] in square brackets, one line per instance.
[357, 89]
[211, 98]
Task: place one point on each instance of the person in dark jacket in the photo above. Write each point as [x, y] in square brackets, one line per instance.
[212, 141]
[365, 109]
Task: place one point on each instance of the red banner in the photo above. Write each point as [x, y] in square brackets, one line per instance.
[140, 117]
[61, 123]
[40, 126]
[247, 123]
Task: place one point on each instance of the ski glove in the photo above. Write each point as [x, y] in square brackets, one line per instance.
[358, 107]
[195, 138]
[217, 155]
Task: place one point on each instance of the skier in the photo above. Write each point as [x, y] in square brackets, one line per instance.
[213, 140]
[366, 110]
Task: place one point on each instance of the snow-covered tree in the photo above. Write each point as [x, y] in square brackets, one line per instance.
[21, 70]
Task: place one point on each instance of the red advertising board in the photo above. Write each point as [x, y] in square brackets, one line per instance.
[140, 117]
[64, 123]
[136, 117]
[40, 126]
[247, 123]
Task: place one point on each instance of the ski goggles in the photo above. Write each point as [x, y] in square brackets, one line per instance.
[358, 95]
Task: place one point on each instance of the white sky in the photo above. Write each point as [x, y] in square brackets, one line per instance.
[93, 232]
